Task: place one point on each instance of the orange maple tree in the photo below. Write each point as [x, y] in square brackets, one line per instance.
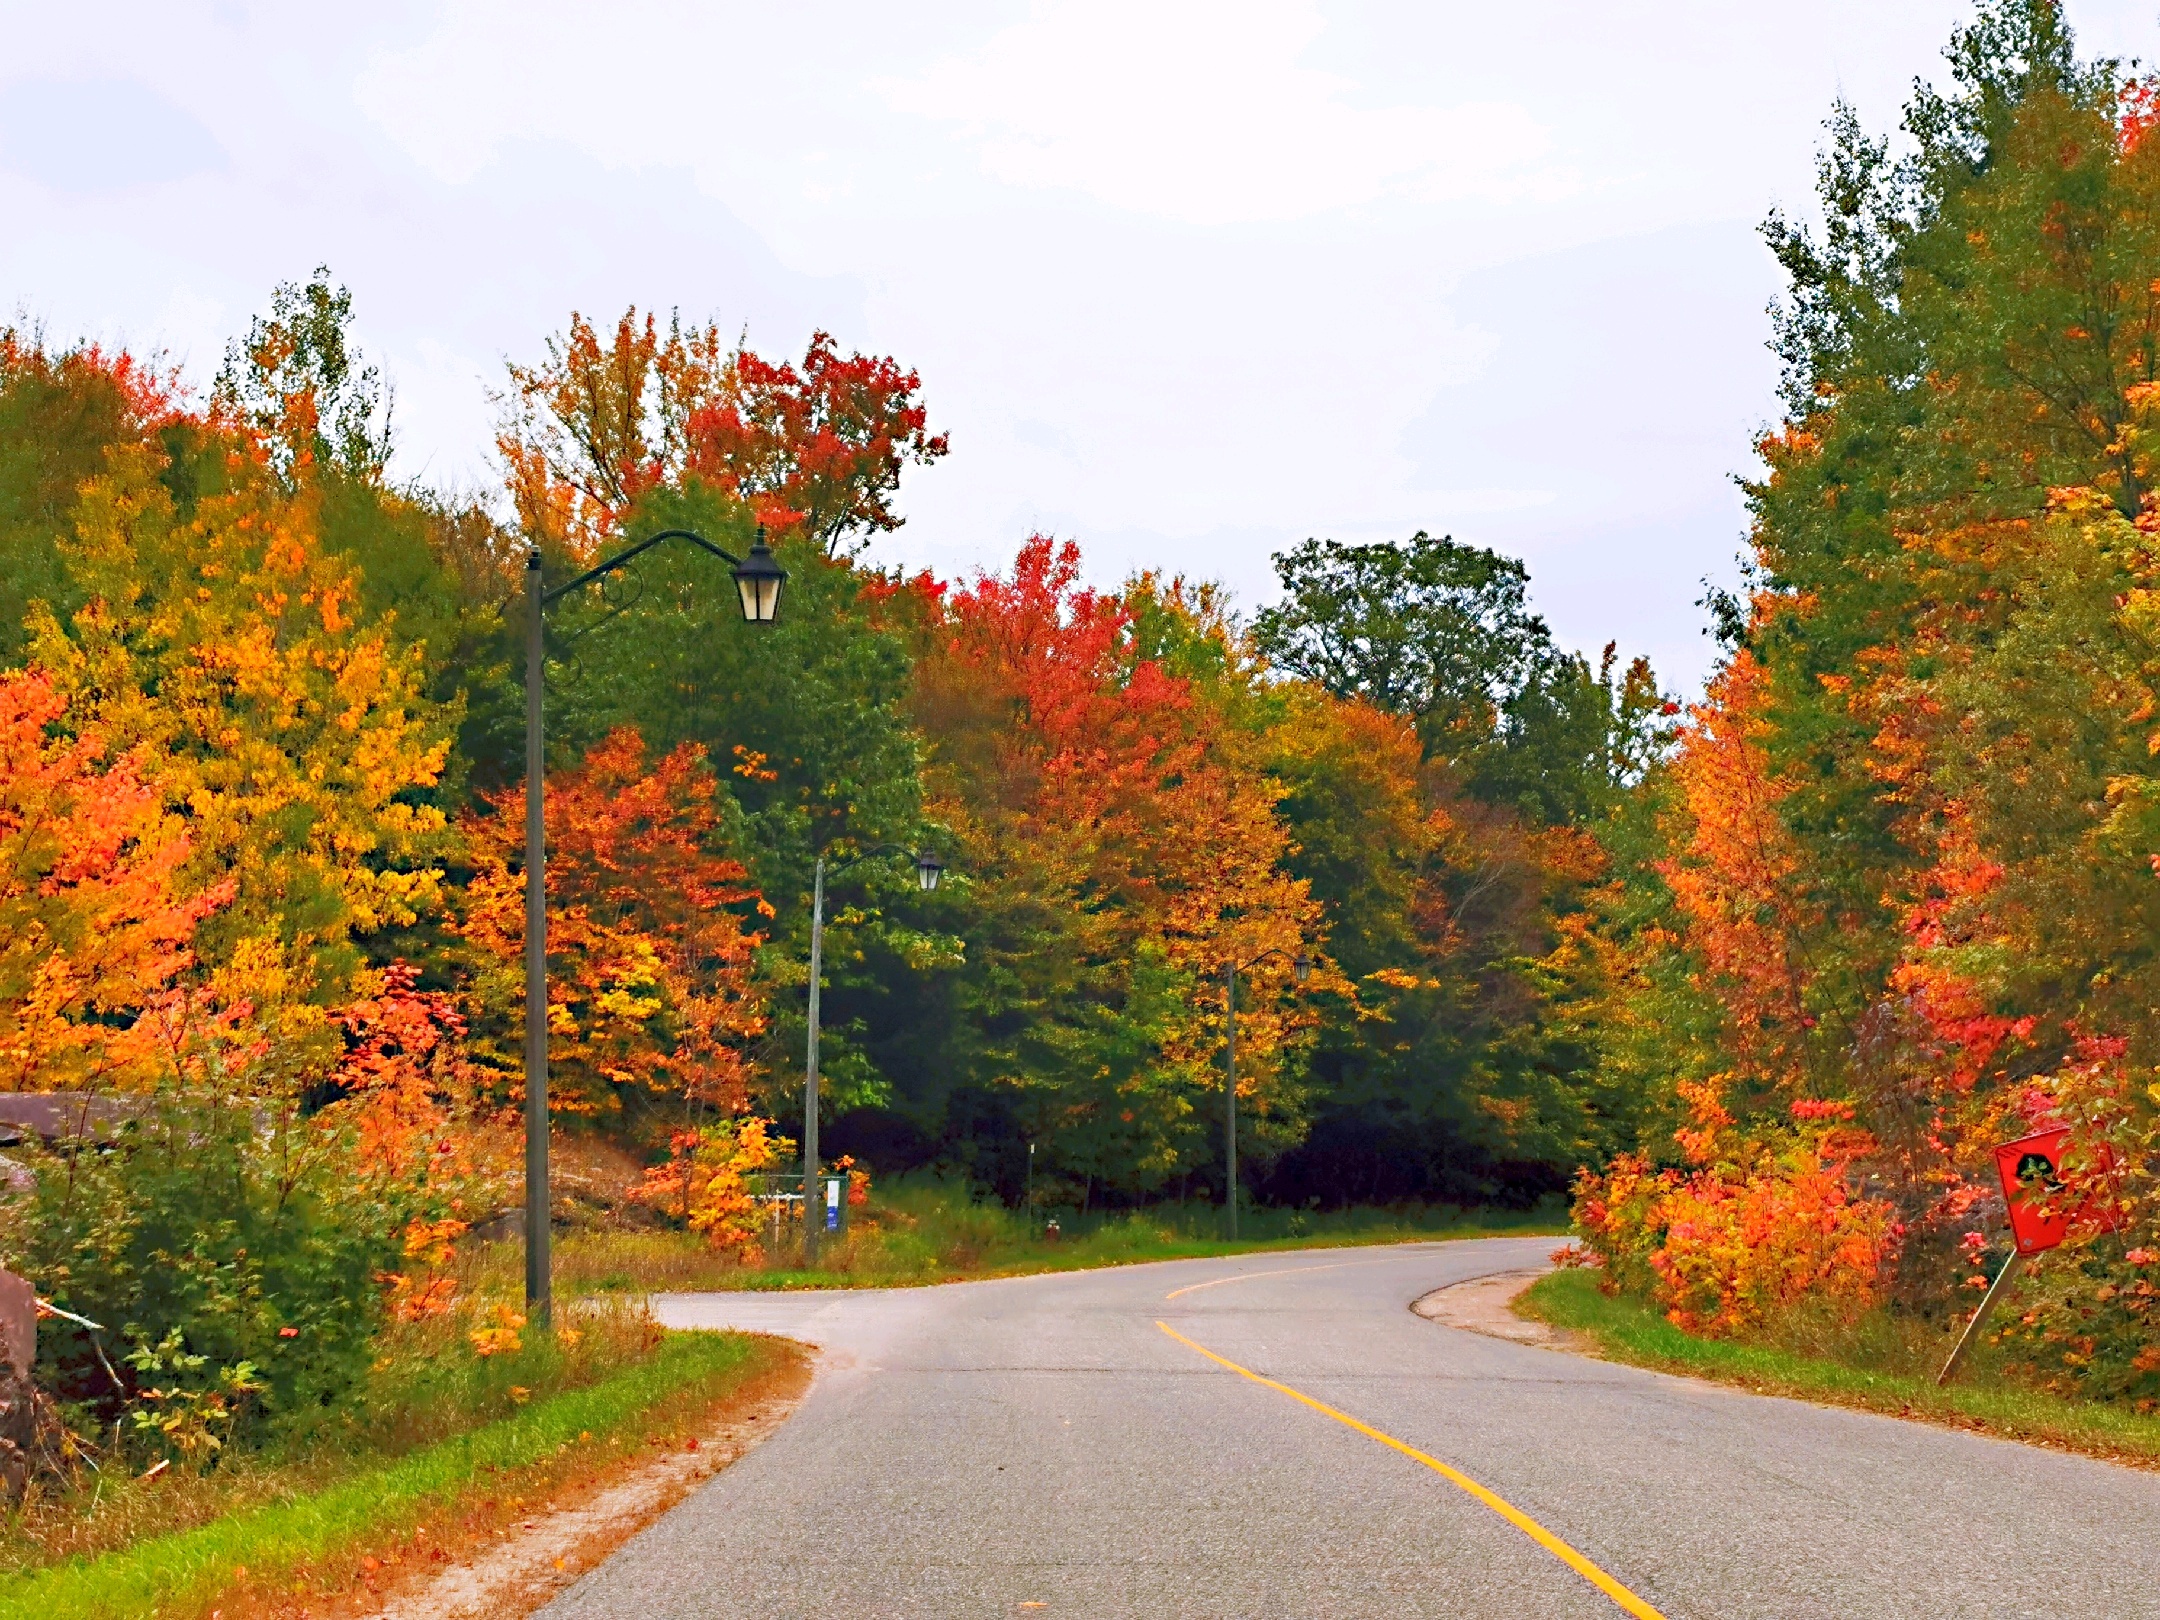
[650, 987]
[96, 922]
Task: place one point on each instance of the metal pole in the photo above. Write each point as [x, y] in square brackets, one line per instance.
[1030, 1198]
[537, 1206]
[1230, 1096]
[812, 1207]
[1971, 1335]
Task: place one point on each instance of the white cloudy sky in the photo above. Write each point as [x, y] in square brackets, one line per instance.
[1185, 279]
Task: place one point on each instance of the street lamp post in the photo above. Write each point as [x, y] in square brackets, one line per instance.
[928, 870]
[1300, 969]
[758, 578]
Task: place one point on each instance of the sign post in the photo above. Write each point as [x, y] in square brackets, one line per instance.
[2030, 1170]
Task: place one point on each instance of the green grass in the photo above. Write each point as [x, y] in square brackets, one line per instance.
[924, 1231]
[1873, 1366]
[179, 1573]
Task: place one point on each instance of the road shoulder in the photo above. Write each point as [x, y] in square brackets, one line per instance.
[514, 1565]
[1487, 1305]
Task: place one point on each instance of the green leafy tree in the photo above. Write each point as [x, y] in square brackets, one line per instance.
[301, 385]
[1430, 628]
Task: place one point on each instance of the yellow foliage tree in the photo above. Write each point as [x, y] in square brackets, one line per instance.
[224, 644]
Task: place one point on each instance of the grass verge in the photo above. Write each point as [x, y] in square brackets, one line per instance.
[1633, 1331]
[929, 1232]
[309, 1543]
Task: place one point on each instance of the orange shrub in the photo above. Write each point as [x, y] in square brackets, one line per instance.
[1729, 1251]
[702, 1183]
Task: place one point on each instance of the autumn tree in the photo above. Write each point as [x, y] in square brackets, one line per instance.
[1448, 1074]
[1906, 869]
[1430, 628]
[815, 450]
[299, 383]
[222, 641]
[1443, 633]
[95, 923]
[1121, 848]
[60, 413]
[650, 997]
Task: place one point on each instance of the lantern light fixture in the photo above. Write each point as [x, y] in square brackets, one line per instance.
[758, 578]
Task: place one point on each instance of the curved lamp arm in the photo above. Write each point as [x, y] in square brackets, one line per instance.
[1300, 963]
[928, 868]
[629, 553]
[870, 855]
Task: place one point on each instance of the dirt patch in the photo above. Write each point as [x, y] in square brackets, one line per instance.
[1487, 1305]
[513, 1568]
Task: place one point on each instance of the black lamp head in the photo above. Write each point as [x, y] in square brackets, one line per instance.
[928, 870]
[758, 577]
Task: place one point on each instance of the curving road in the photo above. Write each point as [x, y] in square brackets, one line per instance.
[1043, 1446]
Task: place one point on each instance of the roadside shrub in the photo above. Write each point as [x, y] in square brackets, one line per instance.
[1727, 1251]
[1617, 1216]
[236, 1267]
[2082, 1324]
[702, 1182]
[2085, 1318]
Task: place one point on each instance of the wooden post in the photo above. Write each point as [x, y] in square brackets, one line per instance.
[1971, 1335]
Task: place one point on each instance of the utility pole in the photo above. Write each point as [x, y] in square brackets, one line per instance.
[812, 1211]
[538, 1304]
[1230, 1095]
[928, 871]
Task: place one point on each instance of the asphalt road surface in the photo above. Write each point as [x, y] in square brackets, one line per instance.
[1043, 1446]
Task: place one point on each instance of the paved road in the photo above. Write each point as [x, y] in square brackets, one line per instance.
[1040, 1446]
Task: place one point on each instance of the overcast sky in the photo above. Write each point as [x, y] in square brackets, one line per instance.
[1185, 281]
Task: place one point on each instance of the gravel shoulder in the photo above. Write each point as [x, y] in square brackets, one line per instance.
[1487, 1305]
[521, 1565]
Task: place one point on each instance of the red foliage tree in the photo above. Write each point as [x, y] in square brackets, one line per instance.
[650, 989]
[816, 449]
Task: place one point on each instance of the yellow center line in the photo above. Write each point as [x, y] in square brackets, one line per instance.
[1279, 1271]
[1522, 1521]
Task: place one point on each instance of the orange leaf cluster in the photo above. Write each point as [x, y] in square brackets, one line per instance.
[650, 984]
[95, 920]
[1735, 873]
[702, 1182]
